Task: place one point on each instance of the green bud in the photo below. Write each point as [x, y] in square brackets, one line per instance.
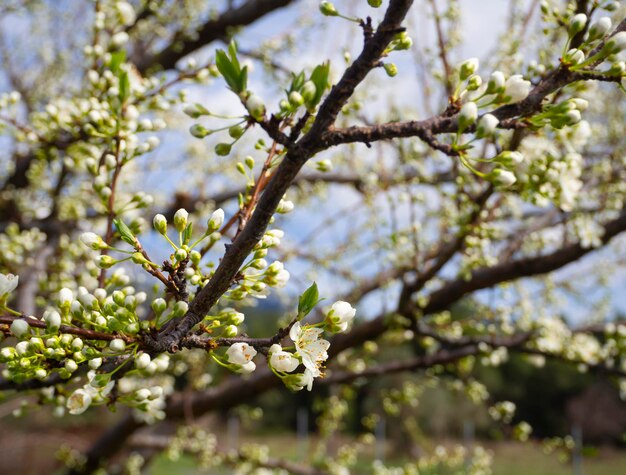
[328, 9]
[391, 69]
[309, 91]
[236, 131]
[180, 220]
[198, 131]
[222, 149]
[180, 255]
[296, 99]
[374, 3]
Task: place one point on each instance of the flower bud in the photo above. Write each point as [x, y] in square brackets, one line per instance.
[222, 149]
[509, 159]
[160, 223]
[180, 255]
[599, 28]
[486, 126]
[467, 115]
[374, 3]
[159, 305]
[577, 24]
[496, 83]
[256, 107]
[65, 297]
[20, 327]
[502, 177]
[118, 345]
[615, 44]
[198, 131]
[180, 220]
[236, 131]
[142, 360]
[328, 9]
[474, 82]
[52, 319]
[391, 69]
[230, 331]
[296, 99]
[105, 262]
[216, 220]
[309, 91]
[468, 68]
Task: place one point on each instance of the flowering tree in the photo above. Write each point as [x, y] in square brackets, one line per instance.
[144, 180]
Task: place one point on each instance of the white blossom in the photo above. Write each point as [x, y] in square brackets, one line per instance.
[310, 346]
[79, 401]
[240, 353]
[282, 360]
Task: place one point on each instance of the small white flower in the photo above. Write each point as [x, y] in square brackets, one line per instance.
[240, 353]
[79, 401]
[310, 346]
[8, 283]
[516, 89]
[282, 360]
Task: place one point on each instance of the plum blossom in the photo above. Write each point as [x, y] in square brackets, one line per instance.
[79, 401]
[240, 353]
[282, 360]
[310, 346]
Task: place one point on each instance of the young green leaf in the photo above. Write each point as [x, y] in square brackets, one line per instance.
[125, 233]
[308, 300]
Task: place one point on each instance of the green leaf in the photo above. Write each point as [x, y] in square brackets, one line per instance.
[228, 71]
[297, 82]
[187, 234]
[232, 52]
[319, 76]
[125, 233]
[124, 86]
[117, 59]
[308, 300]
[243, 79]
